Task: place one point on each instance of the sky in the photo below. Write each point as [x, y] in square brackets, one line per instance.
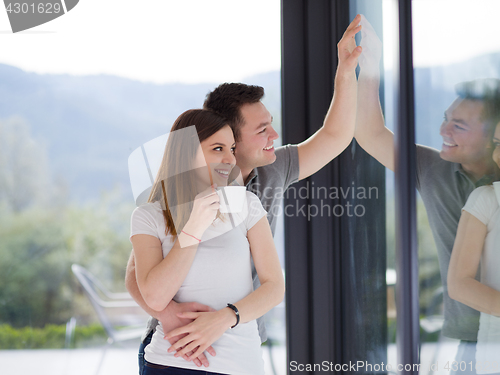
[194, 41]
[152, 40]
[446, 31]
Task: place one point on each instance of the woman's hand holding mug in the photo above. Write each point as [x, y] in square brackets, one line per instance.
[205, 208]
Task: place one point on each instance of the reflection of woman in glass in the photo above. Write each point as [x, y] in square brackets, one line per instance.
[478, 241]
[186, 250]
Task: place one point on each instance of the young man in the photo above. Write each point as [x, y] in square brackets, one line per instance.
[264, 168]
[444, 178]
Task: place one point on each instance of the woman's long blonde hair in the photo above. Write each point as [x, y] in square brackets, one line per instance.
[176, 183]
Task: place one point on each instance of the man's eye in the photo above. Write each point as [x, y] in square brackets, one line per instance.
[232, 149]
[263, 130]
[496, 144]
[459, 127]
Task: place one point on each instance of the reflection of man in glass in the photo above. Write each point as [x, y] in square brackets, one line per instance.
[262, 166]
[444, 178]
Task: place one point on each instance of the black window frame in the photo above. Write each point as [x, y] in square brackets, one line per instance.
[322, 271]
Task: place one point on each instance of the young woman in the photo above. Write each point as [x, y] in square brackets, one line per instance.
[186, 250]
[478, 241]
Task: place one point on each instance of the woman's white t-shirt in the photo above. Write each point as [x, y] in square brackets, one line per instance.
[483, 203]
[220, 274]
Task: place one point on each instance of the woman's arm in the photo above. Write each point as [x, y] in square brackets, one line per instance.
[168, 317]
[133, 289]
[465, 258]
[267, 263]
[160, 278]
[208, 327]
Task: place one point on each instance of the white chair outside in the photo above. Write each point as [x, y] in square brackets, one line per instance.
[120, 316]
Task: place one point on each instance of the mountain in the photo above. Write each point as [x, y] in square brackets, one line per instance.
[90, 125]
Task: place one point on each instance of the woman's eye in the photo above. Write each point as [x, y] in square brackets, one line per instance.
[263, 130]
[232, 149]
[218, 149]
[496, 144]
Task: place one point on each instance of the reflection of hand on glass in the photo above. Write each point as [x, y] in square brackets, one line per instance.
[371, 133]
[369, 61]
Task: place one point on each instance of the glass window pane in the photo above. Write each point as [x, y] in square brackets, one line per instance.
[456, 98]
[77, 97]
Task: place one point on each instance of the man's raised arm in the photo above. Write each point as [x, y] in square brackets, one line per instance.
[338, 128]
[371, 133]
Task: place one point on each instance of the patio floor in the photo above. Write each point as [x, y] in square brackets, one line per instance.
[123, 360]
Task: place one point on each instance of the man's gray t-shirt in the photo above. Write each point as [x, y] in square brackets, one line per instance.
[268, 183]
[445, 187]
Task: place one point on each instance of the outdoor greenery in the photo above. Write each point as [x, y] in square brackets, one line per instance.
[50, 337]
[43, 234]
[38, 247]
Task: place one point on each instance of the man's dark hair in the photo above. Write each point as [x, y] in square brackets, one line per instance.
[227, 99]
[486, 90]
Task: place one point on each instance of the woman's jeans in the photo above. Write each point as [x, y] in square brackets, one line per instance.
[146, 368]
[154, 369]
[143, 345]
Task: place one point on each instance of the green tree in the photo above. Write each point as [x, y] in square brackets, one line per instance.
[41, 235]
[24, 174]
[37, 249]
